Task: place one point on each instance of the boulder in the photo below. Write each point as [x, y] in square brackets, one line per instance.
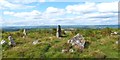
[64, 50]
[77, 40]
[35, 42]
[2, 42]
[114, 33]
[71, 50]
[117, 42]
[11, 41]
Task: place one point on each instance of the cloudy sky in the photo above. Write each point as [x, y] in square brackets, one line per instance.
[54, 12]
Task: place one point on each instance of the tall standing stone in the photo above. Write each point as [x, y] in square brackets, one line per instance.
[58, 33]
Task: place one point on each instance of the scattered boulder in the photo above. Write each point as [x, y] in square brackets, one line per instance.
[71, 50]
[35, 42]
[3, 42]
[65, 50]
[117, 42]
[114, 33]
[12, 42]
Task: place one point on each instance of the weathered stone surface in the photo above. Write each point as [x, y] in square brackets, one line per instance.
[58, 33]
[78, 41]
[12, 42]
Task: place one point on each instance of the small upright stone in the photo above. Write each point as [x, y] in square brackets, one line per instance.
[24, 32]
[12, 42]
[117, 42]
[58, 33]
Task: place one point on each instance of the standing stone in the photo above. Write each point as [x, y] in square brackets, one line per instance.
[58, 34]
[12, 42]
[24, 32]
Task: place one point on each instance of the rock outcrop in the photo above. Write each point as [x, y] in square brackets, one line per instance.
[77, 41]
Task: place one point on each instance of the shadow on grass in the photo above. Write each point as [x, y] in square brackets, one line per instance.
[63, 36]
[87, 44]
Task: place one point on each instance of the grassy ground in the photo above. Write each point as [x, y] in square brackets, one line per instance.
[101, 43]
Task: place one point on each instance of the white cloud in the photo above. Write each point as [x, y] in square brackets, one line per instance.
[7, 5]
[92, 7]
[84, 8]
[101, 15]
[54, 10]
[41, 0]
[31, 14]
[108, 7]
[23, 1]
[9, 13]
[51, 10]
[88, 13]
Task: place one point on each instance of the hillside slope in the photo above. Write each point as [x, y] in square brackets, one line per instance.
[101, 44]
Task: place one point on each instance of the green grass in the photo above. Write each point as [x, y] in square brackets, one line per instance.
[101, 43]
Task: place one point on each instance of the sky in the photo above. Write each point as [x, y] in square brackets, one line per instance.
[58, 12]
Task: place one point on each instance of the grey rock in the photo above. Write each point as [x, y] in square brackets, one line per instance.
[77, 40]
[58, 33]
[12, 42]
